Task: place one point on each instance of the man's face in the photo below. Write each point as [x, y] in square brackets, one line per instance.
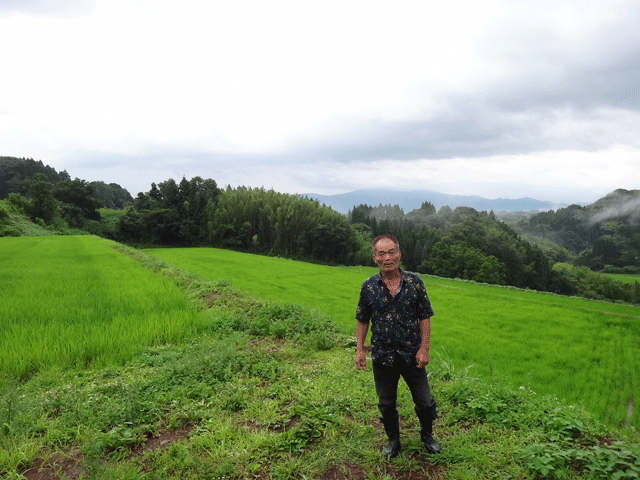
[386, 255]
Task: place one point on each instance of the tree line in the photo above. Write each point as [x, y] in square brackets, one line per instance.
[456, 243]
[197, 212]
[467, 244]
[462, 243]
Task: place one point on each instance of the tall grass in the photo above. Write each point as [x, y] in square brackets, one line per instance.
[585, 352]
[75, 300]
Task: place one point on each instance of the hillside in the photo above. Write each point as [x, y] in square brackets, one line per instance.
[257, 389]
[602, 235]
[17, 174]
[17, 224]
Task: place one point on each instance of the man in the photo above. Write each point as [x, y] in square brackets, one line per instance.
[396, 304]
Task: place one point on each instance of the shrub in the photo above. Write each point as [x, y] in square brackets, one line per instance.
[20, 203]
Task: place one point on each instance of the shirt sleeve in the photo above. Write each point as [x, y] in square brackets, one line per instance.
[363, 312]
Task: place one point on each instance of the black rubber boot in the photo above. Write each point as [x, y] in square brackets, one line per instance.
[426, 430]
[392, 427]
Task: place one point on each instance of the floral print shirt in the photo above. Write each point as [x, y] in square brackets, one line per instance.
[394, 319]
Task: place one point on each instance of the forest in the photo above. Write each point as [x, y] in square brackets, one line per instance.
[564, 251]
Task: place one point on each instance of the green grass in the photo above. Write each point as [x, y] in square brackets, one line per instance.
[326, 289]
[264, 390]
[585, 352]
[76, 300]
[628, 278]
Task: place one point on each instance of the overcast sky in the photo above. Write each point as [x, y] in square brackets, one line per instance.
[494, 98]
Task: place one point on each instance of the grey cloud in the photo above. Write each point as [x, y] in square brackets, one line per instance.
[610, 84]
[538, 113]
[551, 97]
[476, 130]
[472, 129]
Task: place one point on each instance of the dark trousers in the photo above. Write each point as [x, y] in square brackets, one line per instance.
[386, 380]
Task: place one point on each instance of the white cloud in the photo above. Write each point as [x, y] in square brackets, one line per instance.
[339, 93]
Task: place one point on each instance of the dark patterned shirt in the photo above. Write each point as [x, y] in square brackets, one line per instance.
[394, 319]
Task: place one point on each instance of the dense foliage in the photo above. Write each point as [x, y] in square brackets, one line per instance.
[15, 171]
[463, 243]
[604, 235]
[471, 245]
[53, 199]
[111, 195]
[197, 212]
[552, 251]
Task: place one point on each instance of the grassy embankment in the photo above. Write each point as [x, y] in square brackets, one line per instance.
[14, 224]
[585, 352]
[232, 386]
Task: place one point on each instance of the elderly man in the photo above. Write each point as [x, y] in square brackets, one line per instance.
[396, 304]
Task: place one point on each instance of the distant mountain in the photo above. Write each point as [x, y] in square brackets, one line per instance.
[410, 200]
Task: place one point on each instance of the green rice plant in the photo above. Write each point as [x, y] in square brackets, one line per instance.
[75, 301]
[325, 289]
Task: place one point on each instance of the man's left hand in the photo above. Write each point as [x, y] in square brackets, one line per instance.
[422, 358]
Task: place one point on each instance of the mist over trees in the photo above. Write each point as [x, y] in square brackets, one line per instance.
[556, 251]
[603, 236]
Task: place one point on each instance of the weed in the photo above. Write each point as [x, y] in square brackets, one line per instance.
[617, 461]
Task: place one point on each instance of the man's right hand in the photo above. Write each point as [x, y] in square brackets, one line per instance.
[361, 360]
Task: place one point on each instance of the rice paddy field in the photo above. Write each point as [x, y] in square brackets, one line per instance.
[78, 300]
[115, 364]
[75, 300]
[582, 351]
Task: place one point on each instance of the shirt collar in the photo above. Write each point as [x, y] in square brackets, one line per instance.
[379, 277]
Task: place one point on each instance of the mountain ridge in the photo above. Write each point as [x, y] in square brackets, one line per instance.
[412, 199]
